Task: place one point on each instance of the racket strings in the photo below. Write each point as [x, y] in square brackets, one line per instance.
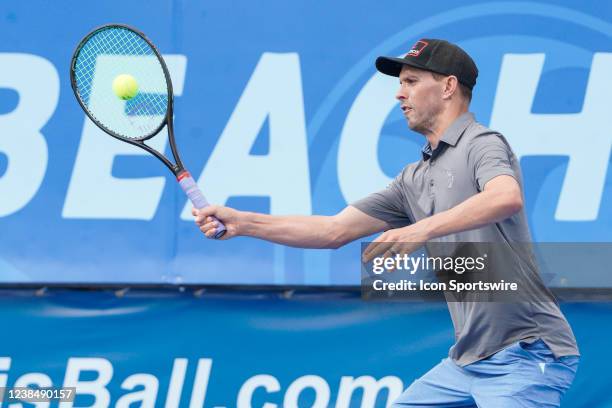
[110, 42]
[111, 52]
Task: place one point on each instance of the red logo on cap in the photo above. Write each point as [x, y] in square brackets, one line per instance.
[417, 48]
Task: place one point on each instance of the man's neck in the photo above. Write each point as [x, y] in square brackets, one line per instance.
[442, 124]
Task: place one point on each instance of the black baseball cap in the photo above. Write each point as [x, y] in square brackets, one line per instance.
[433, 55]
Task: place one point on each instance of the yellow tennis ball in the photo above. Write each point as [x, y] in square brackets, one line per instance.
[125, 86]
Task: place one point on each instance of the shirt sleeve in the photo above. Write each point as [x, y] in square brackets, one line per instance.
[387, 205]
[490, 156]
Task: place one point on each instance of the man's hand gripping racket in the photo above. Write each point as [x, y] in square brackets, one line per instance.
[122, 83]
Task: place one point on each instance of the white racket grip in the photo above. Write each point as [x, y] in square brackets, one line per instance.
[194, 193]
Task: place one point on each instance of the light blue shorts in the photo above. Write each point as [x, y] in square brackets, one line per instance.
[521, 375]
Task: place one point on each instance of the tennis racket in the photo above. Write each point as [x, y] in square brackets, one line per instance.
[115, 50]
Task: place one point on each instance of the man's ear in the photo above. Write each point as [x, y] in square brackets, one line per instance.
[451, 85]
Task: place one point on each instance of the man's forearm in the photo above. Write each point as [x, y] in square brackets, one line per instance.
[293, 230]
[312, 231]
[477, 211]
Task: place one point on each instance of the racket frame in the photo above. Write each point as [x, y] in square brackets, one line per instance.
[177, 168]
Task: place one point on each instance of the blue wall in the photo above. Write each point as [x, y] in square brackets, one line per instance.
[250, 338]
[279, 109]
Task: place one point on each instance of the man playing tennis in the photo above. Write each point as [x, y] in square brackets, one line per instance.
[465, 188]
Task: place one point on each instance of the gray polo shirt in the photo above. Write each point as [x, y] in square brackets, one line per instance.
[467, 157]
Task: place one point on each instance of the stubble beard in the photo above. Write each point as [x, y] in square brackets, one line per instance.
[425, 126]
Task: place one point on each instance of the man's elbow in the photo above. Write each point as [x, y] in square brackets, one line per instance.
[513, 203]
[506, 196]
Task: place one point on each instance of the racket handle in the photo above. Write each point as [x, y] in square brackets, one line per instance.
[194, 193]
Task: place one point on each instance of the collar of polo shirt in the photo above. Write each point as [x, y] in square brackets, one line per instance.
[451, 135]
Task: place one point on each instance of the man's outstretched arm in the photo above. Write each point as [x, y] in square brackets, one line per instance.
[293, 230]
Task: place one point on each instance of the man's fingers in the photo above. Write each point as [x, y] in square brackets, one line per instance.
[204, 214]
[206, 211]
[369, 253]
[209, 225]
[375, 248]
[207, 220]
[205, 226]
[390, 254]
[209, 229]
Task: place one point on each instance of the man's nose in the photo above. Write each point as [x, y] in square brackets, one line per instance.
[401, 94]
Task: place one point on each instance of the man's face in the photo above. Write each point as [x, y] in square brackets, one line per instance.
[420, 97]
